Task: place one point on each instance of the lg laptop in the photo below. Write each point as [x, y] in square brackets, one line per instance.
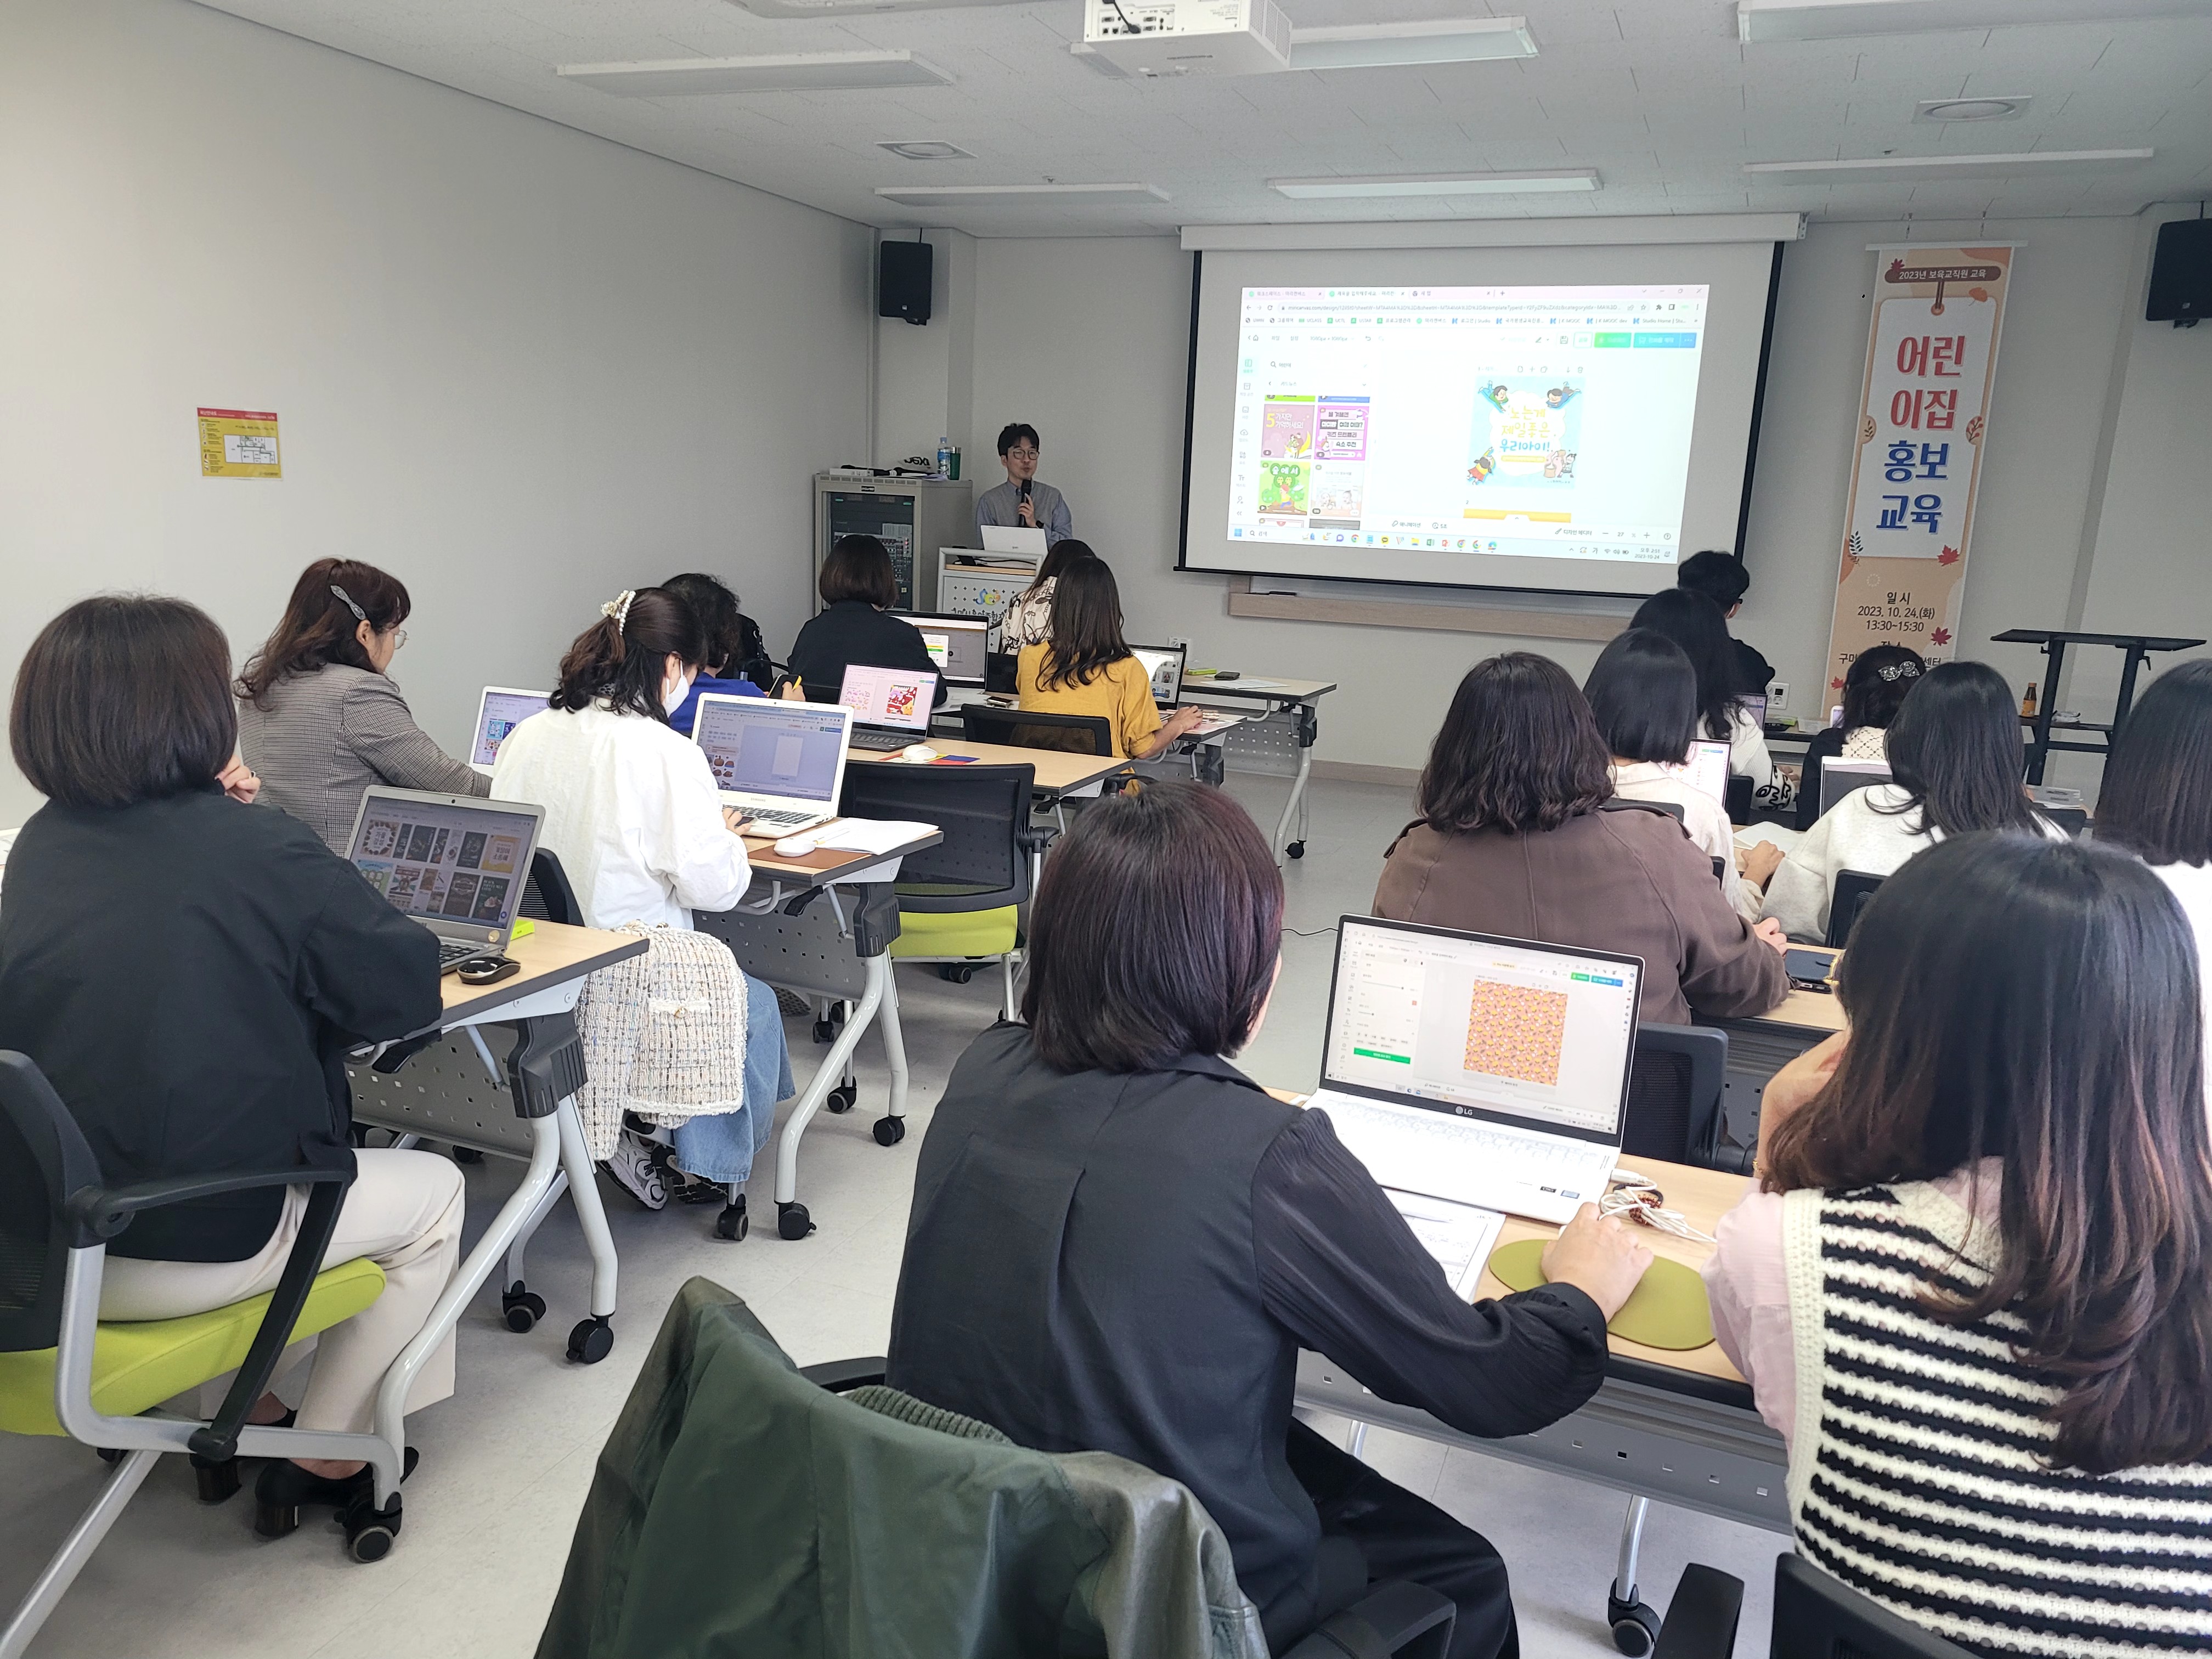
[959, 646]
[1706, 770]
[890, 706]
[1489, 1072]
[498, 711]
[1025, 540]
[782, 764]
[457, 864]
[1164, 663]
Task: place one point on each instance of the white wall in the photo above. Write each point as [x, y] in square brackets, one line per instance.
[520, 367]
[1089, 340]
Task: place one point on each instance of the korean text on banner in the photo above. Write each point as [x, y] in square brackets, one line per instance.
[1923, 414]
[239, 443]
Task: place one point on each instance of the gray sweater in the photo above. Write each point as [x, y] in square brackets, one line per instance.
[327, 735]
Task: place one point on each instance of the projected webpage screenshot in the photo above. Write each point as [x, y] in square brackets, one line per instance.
[1550, 423]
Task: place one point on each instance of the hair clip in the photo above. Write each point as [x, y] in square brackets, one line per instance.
[358, 612]
[1899, 671]
[619, 608]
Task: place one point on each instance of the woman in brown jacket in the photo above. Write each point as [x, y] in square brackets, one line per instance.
[1520, 836]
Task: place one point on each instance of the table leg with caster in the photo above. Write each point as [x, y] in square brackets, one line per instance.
[891, 1129]
[1635, 1624]
[591, 1214]
[1294, 809]
[791, 1220]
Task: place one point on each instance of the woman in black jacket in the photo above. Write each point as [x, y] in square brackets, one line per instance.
[859, 588]
[1120, 1242]
[188, 972]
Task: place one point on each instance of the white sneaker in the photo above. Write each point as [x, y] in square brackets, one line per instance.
[638, 1171]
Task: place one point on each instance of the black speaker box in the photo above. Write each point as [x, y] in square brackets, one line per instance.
[902, 280]
[2181, 273]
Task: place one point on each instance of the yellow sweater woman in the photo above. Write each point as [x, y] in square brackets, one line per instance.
[1087, 668]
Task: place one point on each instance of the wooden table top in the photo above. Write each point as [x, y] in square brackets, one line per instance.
[825, 863]
[1058, 771]
[1810, 1010]
[1274, 687]
[550, 955]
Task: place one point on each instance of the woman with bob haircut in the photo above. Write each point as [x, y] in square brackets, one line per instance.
[1644, 696]
[634, 814]
[1087, 667]
[1874, 688]
[1520, 836]
[1956, 766]
[735, 653]
[1973, 1290]
[1694, 623]
[859, 589]
[1120, 1242]
[189, 974]
[318, 717]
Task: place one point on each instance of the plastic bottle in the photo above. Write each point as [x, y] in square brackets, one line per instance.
[945, 457]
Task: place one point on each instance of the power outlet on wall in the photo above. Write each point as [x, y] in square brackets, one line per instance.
[1178, 640]
[1777, 697]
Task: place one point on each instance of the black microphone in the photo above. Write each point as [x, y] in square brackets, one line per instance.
[1026, 482]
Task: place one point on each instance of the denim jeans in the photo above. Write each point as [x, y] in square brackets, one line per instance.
[721, 1148]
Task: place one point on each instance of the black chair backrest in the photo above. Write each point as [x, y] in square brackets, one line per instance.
[1079, 734]
[982, 810]
[1815, 1617]
[44, 1157]
[1853, 889]
[1839, 778]
[1738, 798]
[1675, 1085]
[2074, 820]
[547, 897]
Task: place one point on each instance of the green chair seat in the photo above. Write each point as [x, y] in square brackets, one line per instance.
[138, 1363]
[957, 933]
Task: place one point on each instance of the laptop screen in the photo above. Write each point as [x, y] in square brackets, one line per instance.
[1707, 769]
[1164, 663]
[1459, 1022]
[445, 861]
[760, 746]
[897, 697]
[500, 712]
[958, 645]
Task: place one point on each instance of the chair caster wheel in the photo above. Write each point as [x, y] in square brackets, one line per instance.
[521, 1309]
[371, 1531]
[792, 1221]
[889, 1131]
[592, 1340]
[825, 1032]
[1297, 849]
[467, 1155]
[110, 1454]
[958, 972]
[217, 1482]
[1635, 1626]
[841, 1098]
[732, 1223]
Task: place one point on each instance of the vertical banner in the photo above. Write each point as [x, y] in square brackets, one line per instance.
[1924, 413]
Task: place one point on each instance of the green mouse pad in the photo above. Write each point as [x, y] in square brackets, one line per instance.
[1667, 1309]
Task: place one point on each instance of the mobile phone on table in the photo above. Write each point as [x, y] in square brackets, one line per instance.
[1808, 970]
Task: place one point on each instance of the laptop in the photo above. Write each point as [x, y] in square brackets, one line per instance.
[1839, 778]
[456, 863]
[498, 711]
[959, 646]
[890, 706]
[1164, 663]
[1706, 770]
[782, 764]
[1489, 1072]
[1014, 539]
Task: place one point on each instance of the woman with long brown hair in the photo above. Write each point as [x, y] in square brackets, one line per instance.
[1974, 1291]
[318, 716]
[1087, 667]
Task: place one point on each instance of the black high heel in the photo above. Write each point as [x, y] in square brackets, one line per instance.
[219, 1482]
[284, 1488]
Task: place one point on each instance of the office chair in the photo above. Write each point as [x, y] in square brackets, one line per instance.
[63, 1371]
[958, 901]
[1852, 890]
[1738, 798]
[547, 897]
[1020, 728]
[1815, 1617]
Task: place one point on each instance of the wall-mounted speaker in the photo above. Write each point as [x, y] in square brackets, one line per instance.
[902, 280]
[2181, 273]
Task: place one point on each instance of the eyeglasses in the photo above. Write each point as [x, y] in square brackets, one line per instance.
[398, 635]
[1021, 453]
[399, 638]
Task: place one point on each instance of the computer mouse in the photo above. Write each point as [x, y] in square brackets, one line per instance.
[796, 847]
[487, 971]
[918, 752]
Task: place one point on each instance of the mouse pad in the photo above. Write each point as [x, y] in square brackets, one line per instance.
[1667, 1309]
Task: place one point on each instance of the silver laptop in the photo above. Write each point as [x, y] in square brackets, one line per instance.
[1014, 539]
[456, 863]
[1839, 778]
[782, 764]
[959, 646]
[1489, 1072]
[498, 711]
[1164, 663]
[891, 707]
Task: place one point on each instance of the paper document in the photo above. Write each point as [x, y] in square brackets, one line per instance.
[1213, 721]
[871, 834]
[1247, 683]
[1459, 1235]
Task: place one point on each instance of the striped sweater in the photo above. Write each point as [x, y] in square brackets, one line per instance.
[1919, 1473]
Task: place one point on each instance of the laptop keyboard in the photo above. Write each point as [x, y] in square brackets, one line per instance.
[885, 740]
[780, 820]
[453, 951]
[1411, 1149]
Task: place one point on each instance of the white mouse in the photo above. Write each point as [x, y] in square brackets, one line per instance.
[920, 753]
[796, 847]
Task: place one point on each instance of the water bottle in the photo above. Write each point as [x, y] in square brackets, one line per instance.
[945, 457]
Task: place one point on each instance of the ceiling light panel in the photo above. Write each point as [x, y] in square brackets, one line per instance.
[849, 8]
[925, 149]
[1387, 185]
[1945, 110]
[1883, 169]
[801, 71]
[1016, 195]
[1439, 40]
[1760, 20]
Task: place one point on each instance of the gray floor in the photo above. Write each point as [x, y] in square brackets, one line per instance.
[506, 1462]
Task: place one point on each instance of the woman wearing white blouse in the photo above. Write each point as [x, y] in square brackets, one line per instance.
[632, 813]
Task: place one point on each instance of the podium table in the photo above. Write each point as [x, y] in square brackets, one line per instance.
[2137, 649]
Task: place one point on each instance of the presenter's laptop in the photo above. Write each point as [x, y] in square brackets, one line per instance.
[959, 646]
[1021, 538]
[1164, 663]
[782, 764]
[890, 706]
[1489, 1072]
[455, 863]
[498, 711]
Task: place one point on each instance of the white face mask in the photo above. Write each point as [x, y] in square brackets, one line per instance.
[672, 700]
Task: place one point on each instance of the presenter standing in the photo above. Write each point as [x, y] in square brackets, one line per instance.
[1022, 500]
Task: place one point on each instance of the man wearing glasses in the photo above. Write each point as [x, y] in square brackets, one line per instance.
[1022, 500]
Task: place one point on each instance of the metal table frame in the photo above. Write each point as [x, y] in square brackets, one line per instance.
[1299, 712]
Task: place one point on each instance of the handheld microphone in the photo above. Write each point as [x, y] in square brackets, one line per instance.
[1026, 482]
